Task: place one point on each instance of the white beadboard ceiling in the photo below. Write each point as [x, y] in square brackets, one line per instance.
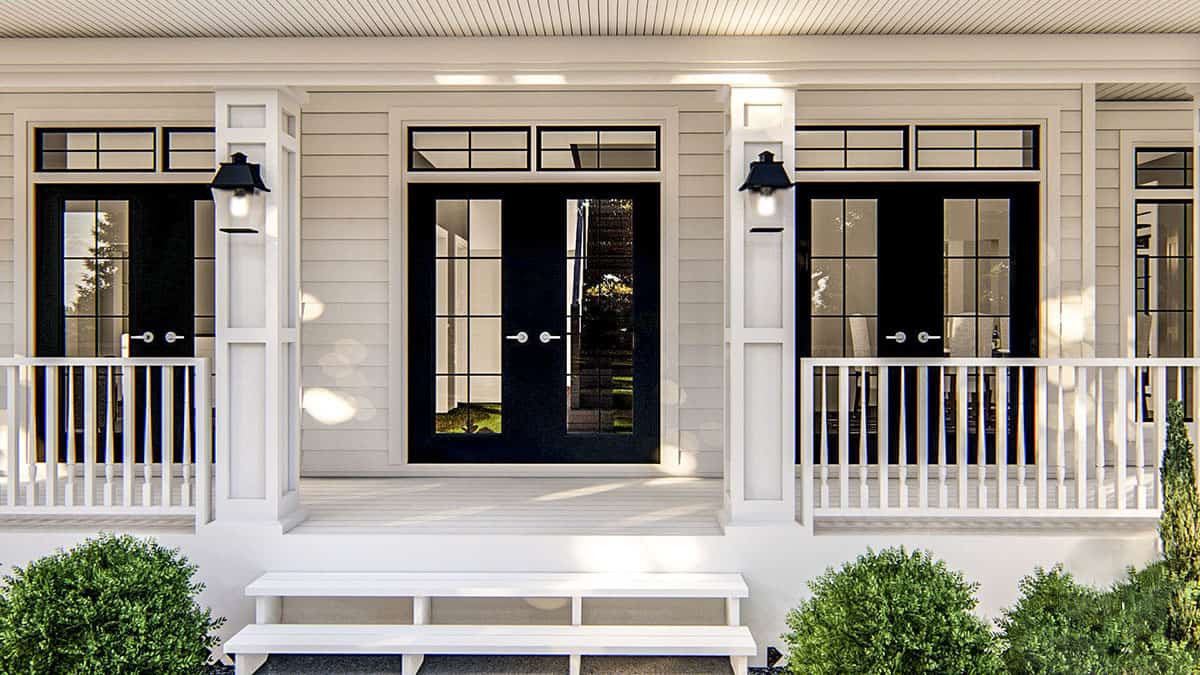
[511, 18]
[1150, 91]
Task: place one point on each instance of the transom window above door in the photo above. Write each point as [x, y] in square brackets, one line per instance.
[510, 148]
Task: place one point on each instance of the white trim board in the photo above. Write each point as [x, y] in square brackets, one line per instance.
[667, 117]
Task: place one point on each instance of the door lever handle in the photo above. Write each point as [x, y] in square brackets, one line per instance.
[924, 337]
[546, 337]
[899, 337]
[146, 337]
[520, 338]
[172, 337]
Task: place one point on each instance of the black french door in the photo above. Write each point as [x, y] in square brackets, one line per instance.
[918, 270]
[533, 332]
[122, 270]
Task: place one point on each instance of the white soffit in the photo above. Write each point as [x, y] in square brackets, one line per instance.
[515, 18]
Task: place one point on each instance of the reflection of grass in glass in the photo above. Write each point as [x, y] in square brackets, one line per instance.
[484, 418]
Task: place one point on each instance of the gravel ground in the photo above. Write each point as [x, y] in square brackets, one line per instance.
[493, 665]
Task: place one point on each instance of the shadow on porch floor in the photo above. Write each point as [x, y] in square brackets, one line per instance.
[554, 506]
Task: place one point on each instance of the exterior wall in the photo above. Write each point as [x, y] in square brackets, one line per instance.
[346, 277]
[1113, 119]
[1058, 109]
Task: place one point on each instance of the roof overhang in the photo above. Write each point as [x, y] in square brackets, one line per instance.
[310, 63]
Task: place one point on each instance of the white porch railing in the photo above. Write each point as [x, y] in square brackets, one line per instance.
[125, 437]
[986, 437]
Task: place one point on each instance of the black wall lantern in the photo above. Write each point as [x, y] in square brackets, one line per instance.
[243, 178]
[766, 176]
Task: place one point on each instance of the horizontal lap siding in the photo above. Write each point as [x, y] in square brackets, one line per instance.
[1109, 276]
[344, 265]
[344, 271]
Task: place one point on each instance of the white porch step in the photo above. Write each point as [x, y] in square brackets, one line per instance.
[253, 642]
[498, 585]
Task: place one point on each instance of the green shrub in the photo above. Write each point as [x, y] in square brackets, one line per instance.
[110, 605]
[1061, 626]
[890, 612]
[1179, 529]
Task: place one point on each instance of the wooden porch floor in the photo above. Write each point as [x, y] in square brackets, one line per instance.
[551, 506]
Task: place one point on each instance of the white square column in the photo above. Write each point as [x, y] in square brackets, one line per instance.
[760, 367]
[258, 313]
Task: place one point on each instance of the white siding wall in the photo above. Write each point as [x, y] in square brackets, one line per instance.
[1111, 120]
[996, 106]
[345, 269]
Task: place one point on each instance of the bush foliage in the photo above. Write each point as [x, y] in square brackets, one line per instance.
[890, 612]
[1179, 529]
[115, 604]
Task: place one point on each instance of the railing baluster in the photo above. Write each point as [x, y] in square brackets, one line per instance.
[148, 444]
[14, 420]
[69, 489]
[1121, 429]
[185, 488]
[960, 433]
[1001, 437]
[110, 449]
[1041, 442]
[167, 444]
[52, 435]
[902, 443]
[864, 492]
[1160, 431]
[922, 437]
[90, 429]
[943, 495]
[981, 437]
[1081, 436]
[1060, 459]
[1139, 436]
[204, 445]
[1101, 496]
[128, 435]
[884, 441]
[1022, 493]
[843, 418]
[29, 442]
[824, 438]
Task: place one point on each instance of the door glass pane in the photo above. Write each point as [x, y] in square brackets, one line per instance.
[95, 276]
[960, 286]
[861, 223]
[826, 227]
[993, 286]
[467, 300]
[826, 285]
[993, 227]
[860, 287]
[600, 283]
[959, 217]
[977, 276]
[843, 288]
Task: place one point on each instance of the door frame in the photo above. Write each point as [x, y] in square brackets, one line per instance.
[672, 461]
[565, 448]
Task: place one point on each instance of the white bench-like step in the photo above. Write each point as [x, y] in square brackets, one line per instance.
[255, 641]
[498, 585]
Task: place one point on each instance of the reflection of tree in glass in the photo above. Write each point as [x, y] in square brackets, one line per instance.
[99, 269]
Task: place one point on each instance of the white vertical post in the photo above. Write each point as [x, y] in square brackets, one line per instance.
[1081, 436]
[881, 459]
[960, 432]
[1121, 429]
[1041, 426]
[759, 335]
[13, 465]
[864, 491]
[258, 307]
[806, 442]
[943, 495]
[110, 442]
[204, 450]
[1001, 395]
[923, 437]
[52, 435]
[29, 437]
[1160, 432]
[1098, 479]
[128, 436]
[843, 439]
[167, 446]
[72, 455]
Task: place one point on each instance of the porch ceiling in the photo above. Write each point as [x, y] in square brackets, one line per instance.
[512, 18]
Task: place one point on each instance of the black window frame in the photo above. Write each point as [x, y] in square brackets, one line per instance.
[468, 130]
[904, 148]
[39, 148]
[166, 148]
[1036, 146]
[1188, 170]
[599, 129]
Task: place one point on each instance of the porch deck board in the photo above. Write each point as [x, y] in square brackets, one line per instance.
[548, 506]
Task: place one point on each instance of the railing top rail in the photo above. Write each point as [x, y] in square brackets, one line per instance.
[1004, 362]
[100, 361]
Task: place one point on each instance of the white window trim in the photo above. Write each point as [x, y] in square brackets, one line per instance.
[1131, 140]
[667, 117]
[25, 123]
